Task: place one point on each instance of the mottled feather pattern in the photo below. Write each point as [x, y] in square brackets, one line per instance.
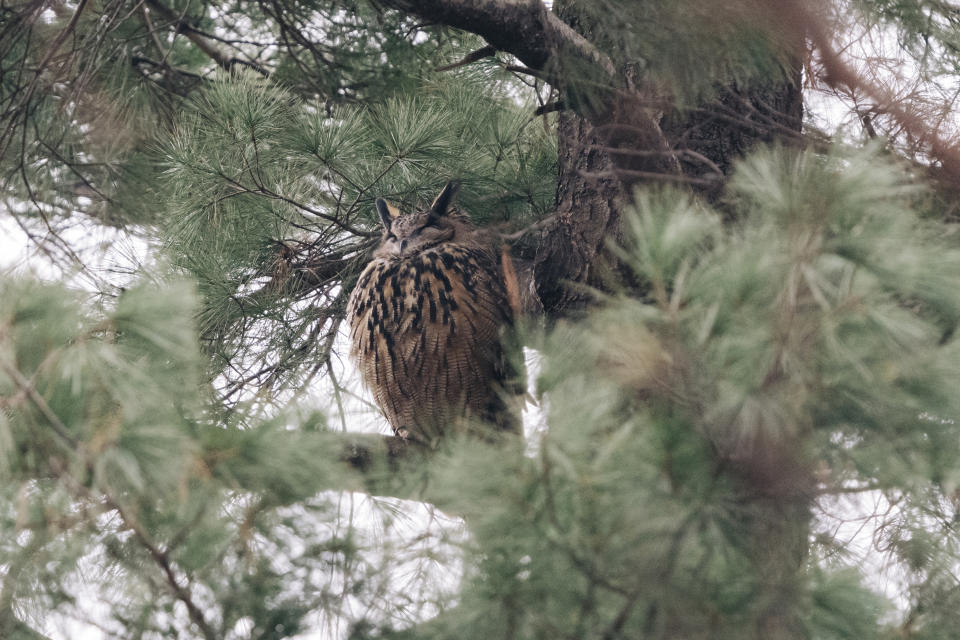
[427, 330]
[426, 334]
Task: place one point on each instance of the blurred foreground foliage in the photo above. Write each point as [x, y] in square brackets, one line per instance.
[820, 321]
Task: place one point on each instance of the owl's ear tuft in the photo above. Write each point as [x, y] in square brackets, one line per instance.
[388, 212]
[442, 201]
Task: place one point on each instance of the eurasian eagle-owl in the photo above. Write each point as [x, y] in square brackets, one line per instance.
[427, 319]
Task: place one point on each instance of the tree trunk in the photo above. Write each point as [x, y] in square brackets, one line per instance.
[727, 128]
[588, 203]
[592, 188]
[591, 192]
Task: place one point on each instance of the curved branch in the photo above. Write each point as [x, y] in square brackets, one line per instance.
[547, 46]
[839, 74]
[528, 30]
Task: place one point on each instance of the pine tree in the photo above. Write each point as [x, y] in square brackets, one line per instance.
[743, 321]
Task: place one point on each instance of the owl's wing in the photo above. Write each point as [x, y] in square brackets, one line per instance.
[371, 344]
[475, 290]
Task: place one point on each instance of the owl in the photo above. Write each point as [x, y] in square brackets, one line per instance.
[427, 322]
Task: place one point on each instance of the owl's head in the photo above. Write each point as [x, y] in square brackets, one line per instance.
[406, 234]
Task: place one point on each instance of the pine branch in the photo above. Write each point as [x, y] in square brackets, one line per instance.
[26, 387]
[161, 559]
[11, 627]
[841, 74]
[196, 37]
[14, 629]
[13, 113]
[182, 592]
[365, 453]
[295, 277]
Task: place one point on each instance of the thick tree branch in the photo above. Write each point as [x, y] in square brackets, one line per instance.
[528, 30]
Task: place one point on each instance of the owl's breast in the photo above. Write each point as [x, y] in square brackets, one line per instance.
[430, 290]
[426, 330]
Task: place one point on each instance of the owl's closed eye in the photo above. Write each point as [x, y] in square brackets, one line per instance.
[408, 234]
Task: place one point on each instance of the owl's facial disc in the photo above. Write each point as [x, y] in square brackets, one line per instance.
[408, 234]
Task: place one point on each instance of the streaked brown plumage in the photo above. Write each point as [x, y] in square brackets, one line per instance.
[427, 318]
